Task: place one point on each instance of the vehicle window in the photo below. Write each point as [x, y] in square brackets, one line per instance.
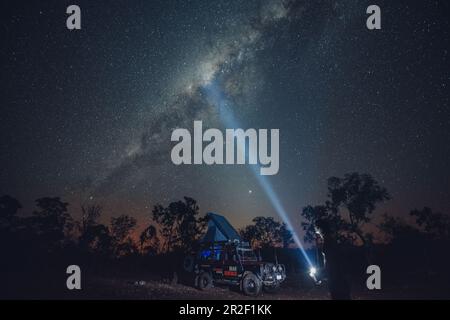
[247, 254]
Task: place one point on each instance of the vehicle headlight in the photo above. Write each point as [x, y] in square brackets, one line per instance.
[312, 272]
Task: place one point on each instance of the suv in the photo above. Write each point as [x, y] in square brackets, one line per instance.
[233, 263]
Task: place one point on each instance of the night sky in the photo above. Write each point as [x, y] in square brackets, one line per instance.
[87, 115]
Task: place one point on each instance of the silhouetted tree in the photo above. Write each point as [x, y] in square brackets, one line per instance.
[435, 224]
[94, 237]
[89, 216]
[166, 220]
[351, 202]
[121, 228]
[179, 224]
[10, 226]
[148, 240]
[97, 239]
[286, 236]
[397, 230]
[267, 233]
[358, 194]
[336, 223]
[51, 222]
[8, 208]
[250, 234]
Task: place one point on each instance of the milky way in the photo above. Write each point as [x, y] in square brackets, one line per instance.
[88, 115]
[229, 58]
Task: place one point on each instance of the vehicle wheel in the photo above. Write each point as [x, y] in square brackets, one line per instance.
[204, 281]
[188, 264]
[251, 285]
[271, 289]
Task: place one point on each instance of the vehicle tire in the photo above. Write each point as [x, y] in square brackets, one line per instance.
[271, 289]
[251, 285]
[188, 264]
[204, 281]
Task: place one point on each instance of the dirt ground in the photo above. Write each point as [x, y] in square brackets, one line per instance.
[102, 288]
[150, 289]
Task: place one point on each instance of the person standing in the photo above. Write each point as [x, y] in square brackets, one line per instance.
[335, 265]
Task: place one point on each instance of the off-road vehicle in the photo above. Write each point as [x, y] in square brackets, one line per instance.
[223, 258]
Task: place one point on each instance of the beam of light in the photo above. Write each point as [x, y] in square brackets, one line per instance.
[219, 99]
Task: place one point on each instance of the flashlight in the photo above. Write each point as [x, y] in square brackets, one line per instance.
[312, 272]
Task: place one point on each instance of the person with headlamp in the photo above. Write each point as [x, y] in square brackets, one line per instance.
[335, 265]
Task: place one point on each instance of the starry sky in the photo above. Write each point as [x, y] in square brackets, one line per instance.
[87, 115]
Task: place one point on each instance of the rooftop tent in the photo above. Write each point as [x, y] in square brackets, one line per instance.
[219, 229]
